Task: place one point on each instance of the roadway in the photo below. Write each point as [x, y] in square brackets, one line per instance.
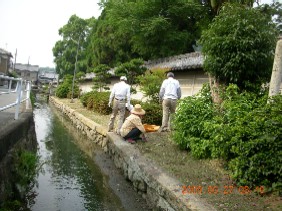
[8, 116]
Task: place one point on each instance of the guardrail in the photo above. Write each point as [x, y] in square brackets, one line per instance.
[10, 97]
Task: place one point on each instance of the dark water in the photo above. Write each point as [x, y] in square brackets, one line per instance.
[69, 179]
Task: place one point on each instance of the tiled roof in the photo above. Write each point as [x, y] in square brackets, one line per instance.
[6, 53]
[22, 67]
[187, 61]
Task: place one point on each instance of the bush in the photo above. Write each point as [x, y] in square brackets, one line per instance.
[98, 101]
[153, 113]
[245, 131]
[191, 114]
[84, 98]
[64, 90]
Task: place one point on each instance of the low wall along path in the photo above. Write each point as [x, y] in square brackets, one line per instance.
[159, 189]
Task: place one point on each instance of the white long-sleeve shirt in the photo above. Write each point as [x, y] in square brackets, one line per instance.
[170, 89]
[120, 91]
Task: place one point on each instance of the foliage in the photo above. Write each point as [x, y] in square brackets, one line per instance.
[191, 114]
[245, 131]
[25, 167]
[32, 98]
[64, 89]
[101, 78]
[98, 101]
[153, 113]
[239, 46]
[107, 44]
[150, 83]
[131, 70]
[84, 97]
[148, 29]
[75, 34]
[79, 76]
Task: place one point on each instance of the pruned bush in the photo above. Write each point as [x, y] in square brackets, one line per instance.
[84, 98]
[98, 101]
[153, 113]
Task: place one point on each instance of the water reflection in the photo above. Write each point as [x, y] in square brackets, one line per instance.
[69, 180]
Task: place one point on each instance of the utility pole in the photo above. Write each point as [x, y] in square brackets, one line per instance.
[15, 60]
[73, 79]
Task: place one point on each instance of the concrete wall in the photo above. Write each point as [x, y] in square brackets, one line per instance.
[190, 81]
[14, 136]
[160, 190]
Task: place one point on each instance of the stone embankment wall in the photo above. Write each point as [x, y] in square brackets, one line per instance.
[15, 136]
[160, 190]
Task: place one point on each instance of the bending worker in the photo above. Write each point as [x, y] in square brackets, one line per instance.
[170, 92]
[119, 96]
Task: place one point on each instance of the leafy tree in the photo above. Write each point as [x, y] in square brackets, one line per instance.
[131, 70]
[152, 29]
[150, 83]
[64, 89]
[107, 43]
[74, 42]
[101, 78]
[239, 46]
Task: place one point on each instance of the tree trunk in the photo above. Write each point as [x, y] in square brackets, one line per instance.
[276, 76]
[215, 88]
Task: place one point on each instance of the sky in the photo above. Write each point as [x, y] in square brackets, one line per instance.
[31, 27]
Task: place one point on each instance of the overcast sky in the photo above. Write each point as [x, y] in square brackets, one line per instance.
[31, 26]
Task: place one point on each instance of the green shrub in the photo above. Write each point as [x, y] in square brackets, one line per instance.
[84, 98]
[100, 103]
[245, 131]
[191, 114]
[153, 113]
[64, 90]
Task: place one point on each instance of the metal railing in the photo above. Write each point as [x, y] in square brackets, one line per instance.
[14, 97]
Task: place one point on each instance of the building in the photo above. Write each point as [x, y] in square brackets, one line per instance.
[187, 68]
[27, 72]
[5, 61]
[48, 77]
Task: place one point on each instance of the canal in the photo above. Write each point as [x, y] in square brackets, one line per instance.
[76, 174]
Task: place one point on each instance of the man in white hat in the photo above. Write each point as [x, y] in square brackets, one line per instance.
[132, 127]
[120, 94]
[170, 92]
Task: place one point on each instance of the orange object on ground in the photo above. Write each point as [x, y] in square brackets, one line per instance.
[151, 128]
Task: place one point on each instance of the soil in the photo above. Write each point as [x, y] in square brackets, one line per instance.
[206, 178]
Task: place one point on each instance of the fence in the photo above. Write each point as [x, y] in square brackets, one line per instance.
[10, 97]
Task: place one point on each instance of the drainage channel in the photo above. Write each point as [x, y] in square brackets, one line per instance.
[76, 174]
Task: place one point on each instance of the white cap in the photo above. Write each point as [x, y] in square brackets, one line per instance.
[130, 107]
[123, 78]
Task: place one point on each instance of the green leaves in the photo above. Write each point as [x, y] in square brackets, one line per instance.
[239, 46]
[245, 131]
[73, 44]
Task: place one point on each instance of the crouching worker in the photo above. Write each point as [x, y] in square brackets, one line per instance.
[132, 127]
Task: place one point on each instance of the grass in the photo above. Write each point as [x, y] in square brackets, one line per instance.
[206, 178]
